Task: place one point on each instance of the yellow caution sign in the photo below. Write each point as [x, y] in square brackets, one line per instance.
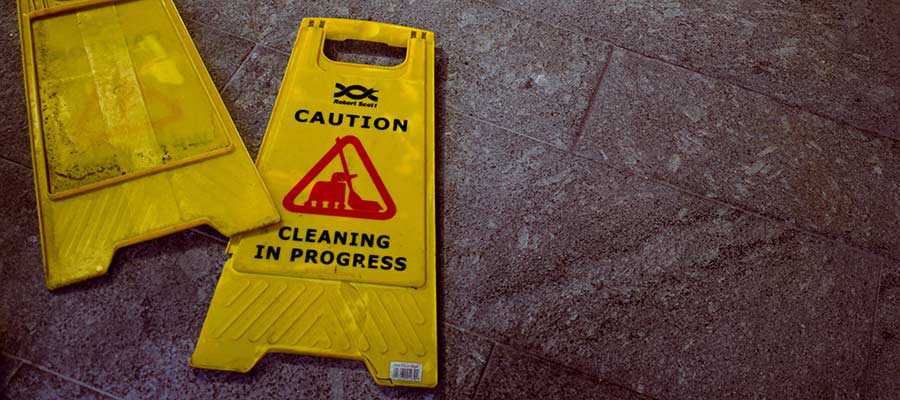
[350, 270]
[129, 138]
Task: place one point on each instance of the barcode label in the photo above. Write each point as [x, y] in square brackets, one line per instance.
[405, 371]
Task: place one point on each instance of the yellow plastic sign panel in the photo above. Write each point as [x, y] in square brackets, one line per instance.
[350, 271]
[129, 138]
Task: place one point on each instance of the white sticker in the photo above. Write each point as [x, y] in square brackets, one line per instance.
[406, 371]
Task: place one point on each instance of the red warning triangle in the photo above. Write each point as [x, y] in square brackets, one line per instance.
[335, 194]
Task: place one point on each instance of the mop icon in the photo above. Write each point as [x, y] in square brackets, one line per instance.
[336, 196]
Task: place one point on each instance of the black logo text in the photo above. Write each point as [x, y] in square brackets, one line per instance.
[355, 92]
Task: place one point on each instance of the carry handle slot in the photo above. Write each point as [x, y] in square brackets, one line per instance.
[344, 29]
[364, 52]
[315, 31]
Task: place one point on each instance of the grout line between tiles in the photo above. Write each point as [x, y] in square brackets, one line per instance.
[762, 215]
[495, 342]
[478, 118]
[12, 374]
[234, 73]
[61, 376]
[862, 389]
[683, 190]
[275, 49]
[219, 30]
[246, 59]
[16, 163]
[238, 69]
[784, 103]
[862, 131]
[484, 369]
[585, 117]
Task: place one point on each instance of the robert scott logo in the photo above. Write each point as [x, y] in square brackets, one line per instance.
[358, 93]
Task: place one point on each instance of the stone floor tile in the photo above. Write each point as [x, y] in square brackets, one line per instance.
[632, 281]
[833, 58]
[282, 33]
[222, 53]
[32, 383]
[14, 129]
[512, 375]
[463, 359]
[248, 19]
[251, 93]
[9, 19]
[18, 234]
[883, 378]
[747, 149]
[521, 75]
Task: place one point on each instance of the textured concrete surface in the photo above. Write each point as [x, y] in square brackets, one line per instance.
[641, 283]
[15, 121]
[838, 59]
[32, 383]
[641, 200]
[540, 380]
[746, 149]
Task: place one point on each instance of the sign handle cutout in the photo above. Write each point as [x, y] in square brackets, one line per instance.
[336, 196]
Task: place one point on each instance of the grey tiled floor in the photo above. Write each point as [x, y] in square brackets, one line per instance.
[643, 199]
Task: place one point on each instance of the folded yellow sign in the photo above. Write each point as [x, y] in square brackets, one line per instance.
[129, 137]
[350, 271]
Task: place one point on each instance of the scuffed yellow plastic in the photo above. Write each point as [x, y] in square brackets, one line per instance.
[274, 303]
[129, 137]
